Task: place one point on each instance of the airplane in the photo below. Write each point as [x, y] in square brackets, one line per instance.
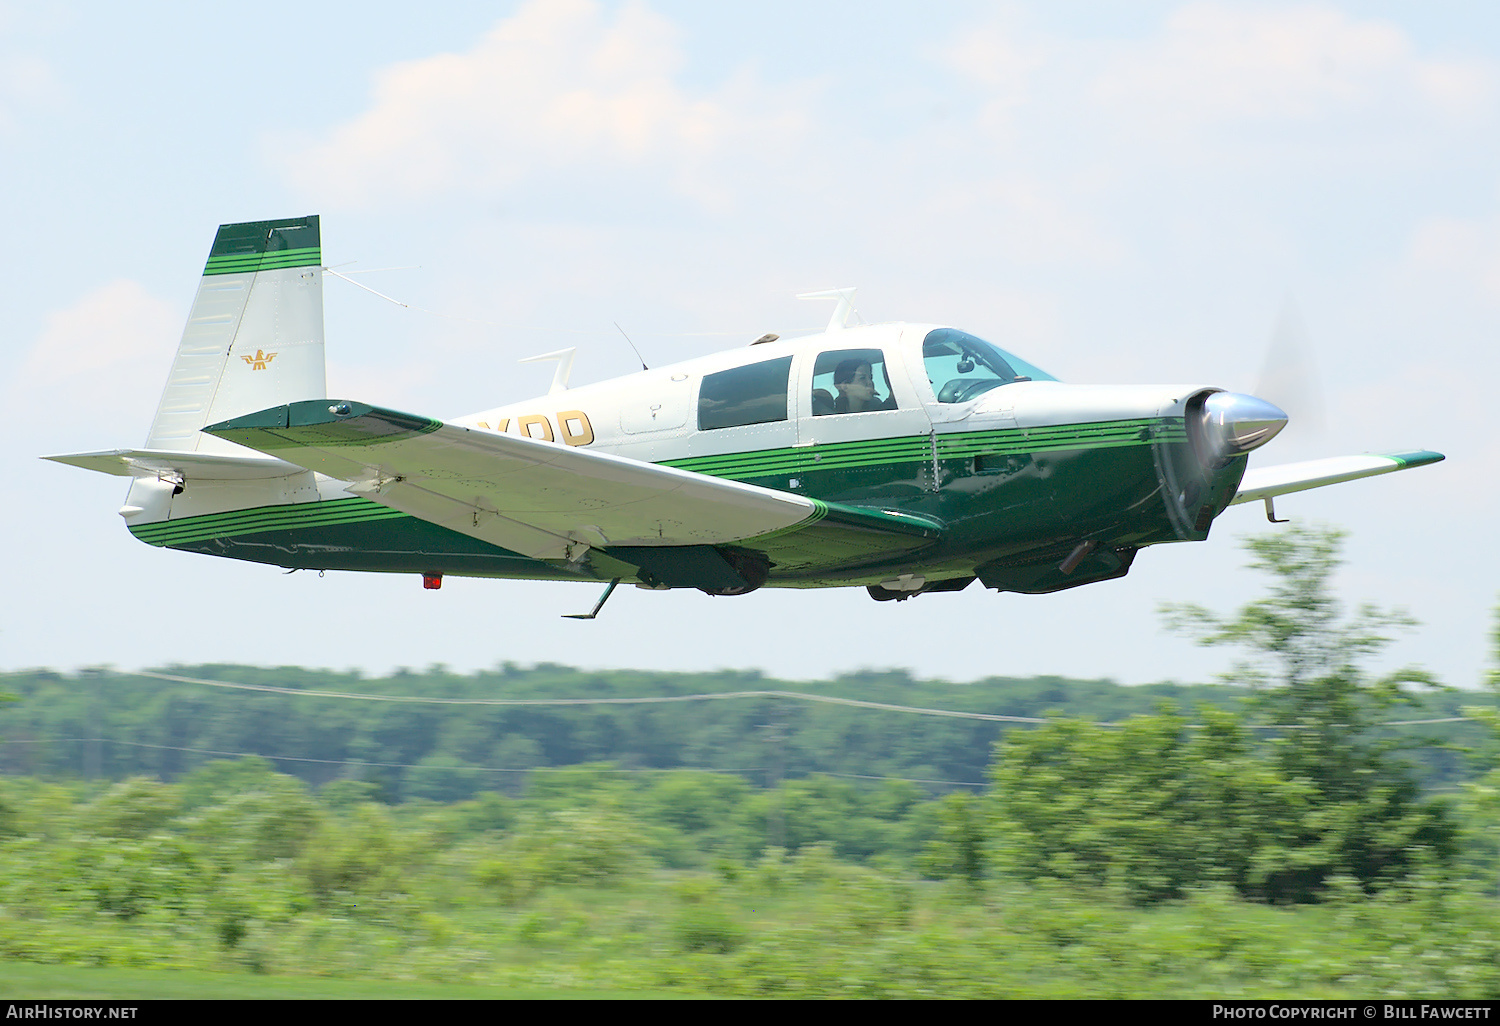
[903, 458]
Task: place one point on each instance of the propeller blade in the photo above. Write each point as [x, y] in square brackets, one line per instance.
[1289, 377]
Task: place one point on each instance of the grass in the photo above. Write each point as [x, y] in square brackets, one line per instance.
[20, 981]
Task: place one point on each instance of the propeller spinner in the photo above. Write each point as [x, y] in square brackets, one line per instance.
[1231, 423]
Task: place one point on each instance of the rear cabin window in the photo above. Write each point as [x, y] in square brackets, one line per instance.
[754, 394]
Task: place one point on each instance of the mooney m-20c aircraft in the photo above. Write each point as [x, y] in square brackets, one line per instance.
[904, 458]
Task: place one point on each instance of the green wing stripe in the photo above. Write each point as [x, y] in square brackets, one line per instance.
[1415, 458]
[820, 510]
[312, 422]
[885, 521]
[243, 263]
[263, 518]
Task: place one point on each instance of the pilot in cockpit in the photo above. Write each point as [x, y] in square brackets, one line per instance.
[855, 381]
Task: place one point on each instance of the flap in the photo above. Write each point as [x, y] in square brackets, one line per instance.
[1268, 482]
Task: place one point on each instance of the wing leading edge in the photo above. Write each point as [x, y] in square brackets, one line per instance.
[551, 501]
[1269, 482]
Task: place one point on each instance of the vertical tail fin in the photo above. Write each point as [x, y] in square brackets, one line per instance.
[254, 338]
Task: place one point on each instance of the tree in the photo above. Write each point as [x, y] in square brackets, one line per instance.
[1150, 805]
[1365, 817]
[958, 850]
[1155, 806]
[1481, 801]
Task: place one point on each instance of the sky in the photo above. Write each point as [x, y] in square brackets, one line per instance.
[1295, 199]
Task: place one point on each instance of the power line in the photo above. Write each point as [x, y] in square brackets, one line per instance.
[804, 696]
[642, 700]
[637, 700]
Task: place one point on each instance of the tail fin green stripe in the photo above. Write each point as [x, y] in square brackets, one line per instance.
[243, 263]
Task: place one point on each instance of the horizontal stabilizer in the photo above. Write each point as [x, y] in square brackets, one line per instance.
[196, 465]
[1269, 482]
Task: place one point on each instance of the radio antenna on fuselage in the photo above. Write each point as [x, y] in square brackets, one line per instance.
[638, 355]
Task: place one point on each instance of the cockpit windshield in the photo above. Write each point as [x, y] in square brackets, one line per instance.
[961, 366]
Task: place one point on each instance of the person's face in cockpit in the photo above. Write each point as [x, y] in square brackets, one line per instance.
[859, 391]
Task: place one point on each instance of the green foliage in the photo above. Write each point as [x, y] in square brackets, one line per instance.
[571, 846]
[487, 811]
[134, 807]
[358, 862]
[273, 817]
[958, 851]
[223, 778]
[1479, 805]
[446, 753]
[132, 876]
[1359, 808]
[1116, 862]
[10, 813]
[1150, 808]
[348, 794]
[442, 777]
[696, 802]
[704, 922]
[562, 895]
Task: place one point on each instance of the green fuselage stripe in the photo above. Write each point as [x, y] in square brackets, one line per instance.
[959, 445]
[765, 463]
[243, 263]
[263, 518]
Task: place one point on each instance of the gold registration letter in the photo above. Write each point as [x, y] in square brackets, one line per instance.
[585, 433]
[524, 426]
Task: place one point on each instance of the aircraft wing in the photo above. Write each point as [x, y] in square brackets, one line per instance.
[1269, 482]
[547, 500]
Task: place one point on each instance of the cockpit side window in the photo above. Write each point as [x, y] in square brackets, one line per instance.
[851, 381]
[754, 394]
[962, 367]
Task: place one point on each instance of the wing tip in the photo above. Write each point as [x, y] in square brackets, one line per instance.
[1416, 457]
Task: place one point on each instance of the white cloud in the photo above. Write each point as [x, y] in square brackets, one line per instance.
[26, 83]
[558, 85]
[1215, 62]
[1220, 64]
[1460, 251]
[1003, 61]
[108, 353]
